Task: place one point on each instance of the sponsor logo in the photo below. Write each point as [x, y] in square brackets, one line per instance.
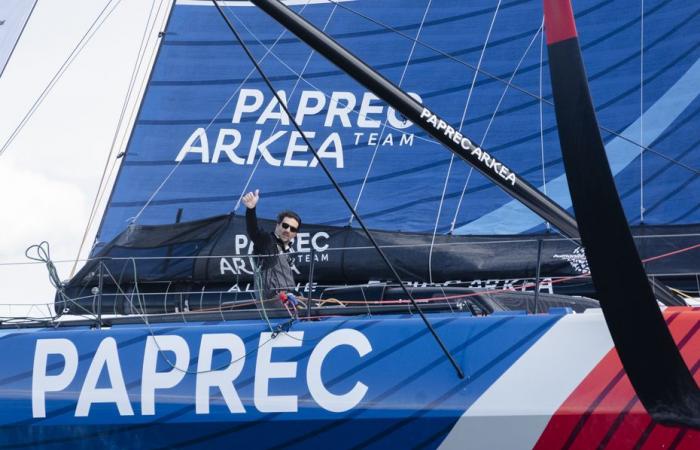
[191, 374]
[496, 284]
[577, 260]
[301, 252]
[488, 162]
[246, 142]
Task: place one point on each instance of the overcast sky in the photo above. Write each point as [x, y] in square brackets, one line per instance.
[50, 173]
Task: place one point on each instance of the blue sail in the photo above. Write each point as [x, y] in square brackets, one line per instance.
[208, 128]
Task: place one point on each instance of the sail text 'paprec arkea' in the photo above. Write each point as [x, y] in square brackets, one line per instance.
[458, 138]
[285, 147]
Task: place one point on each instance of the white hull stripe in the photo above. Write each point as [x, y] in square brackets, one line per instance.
[514, 411]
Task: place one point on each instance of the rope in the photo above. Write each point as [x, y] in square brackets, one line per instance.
[94, 27]
[102, 186]
[291, 95]
[541, 111]
[42, 254]
[493, 115]
[477, 70]
[512, 75]
[211, 122]
[514, 86]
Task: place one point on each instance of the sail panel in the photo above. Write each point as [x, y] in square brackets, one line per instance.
[211, 129]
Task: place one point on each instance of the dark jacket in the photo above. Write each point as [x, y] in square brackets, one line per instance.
[275, 262]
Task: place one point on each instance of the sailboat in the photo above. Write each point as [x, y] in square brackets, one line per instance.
[406, 373]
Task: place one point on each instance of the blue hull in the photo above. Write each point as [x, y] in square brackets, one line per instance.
[412, 396]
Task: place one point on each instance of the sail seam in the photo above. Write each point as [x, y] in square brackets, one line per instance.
[211, 122]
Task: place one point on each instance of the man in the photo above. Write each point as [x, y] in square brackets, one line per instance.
[276, 262]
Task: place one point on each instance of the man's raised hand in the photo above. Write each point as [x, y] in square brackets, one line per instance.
[251, 199]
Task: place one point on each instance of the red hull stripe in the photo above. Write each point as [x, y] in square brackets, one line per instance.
[604, 412]
[559, 21]
[564, 427]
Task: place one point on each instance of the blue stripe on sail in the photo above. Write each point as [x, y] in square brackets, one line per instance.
[681, 188]
[693, 209]
[514, 218]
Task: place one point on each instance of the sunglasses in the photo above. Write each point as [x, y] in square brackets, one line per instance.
[287, 226]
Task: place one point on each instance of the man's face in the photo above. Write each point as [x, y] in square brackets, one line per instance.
[287, 229]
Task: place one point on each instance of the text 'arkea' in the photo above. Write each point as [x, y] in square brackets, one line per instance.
[488, 162]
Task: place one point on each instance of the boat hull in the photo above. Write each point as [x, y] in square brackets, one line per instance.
[546, 381]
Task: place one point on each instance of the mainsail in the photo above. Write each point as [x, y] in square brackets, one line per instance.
[207, 118]
[13, 17]
[208, 129]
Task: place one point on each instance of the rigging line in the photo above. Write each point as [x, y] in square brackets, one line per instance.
[437, 217]
[381, 133]
[211, 122]
[345, 199]
[478, 65]
[541, 111]
[134, 109]
[495, 111]
[143, 315]
[376, 147]
[515, 86]
[641, 115]
[477, 70]
[428, 139]
[71, 57]
[452, 156]
[296, 84]
[512, 75]
[101, 186]
[459, 203]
